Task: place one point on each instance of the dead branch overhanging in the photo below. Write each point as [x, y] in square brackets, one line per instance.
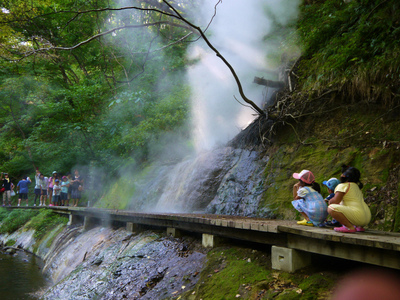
[213, 16]
[102, 34]
[211, 46]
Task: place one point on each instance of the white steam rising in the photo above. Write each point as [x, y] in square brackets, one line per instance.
[237, 32]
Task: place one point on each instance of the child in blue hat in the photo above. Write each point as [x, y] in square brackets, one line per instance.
[331, 184]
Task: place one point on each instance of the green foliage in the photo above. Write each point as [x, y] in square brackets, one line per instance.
[227, 271]
[42, 221]
[10, 242]
[351, 46]
[234, 271]
[396, 225]
[119, 195]
[281, 40]
[94, 104]
[316, 283]
[45, 221]
[3, 213]
[139, 120]
[16, 219]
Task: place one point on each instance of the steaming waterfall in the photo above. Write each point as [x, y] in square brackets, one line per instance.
[225, 180]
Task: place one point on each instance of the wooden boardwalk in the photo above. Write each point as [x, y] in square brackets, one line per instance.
[374, 247]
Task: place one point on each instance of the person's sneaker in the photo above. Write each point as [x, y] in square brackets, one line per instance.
[34, 204]
[27, 205]
[18, 204]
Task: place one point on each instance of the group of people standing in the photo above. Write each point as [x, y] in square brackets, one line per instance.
[59, 190]
[345, 203]
[53, 191]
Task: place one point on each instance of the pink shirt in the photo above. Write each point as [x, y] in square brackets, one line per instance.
[51, 182]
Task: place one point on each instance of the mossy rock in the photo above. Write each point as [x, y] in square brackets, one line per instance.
[10, 242]
[229, 272]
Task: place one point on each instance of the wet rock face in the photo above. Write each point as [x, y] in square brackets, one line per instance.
[222, 181]
[193, 183]
[144, 266]
[240, 191]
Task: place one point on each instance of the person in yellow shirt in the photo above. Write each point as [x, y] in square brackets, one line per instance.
[348, 206]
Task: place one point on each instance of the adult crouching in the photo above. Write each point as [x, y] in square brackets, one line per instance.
[348, 206]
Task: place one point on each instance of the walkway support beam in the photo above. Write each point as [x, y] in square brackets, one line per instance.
[289, 260]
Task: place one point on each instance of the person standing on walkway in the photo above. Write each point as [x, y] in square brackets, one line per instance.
[51, 182]
[44, 183]
[8, 186]
[38, 188]
[22, 186]
[69, 178]
[77, 187]
[64, 191]
[43, 189]
[56, 193]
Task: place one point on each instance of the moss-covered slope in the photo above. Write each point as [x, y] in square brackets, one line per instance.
[363, 136]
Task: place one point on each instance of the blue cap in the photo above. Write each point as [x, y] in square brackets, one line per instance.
[331, 183]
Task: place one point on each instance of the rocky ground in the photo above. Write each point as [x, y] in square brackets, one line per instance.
[122, 265]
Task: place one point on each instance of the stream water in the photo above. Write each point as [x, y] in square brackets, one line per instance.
[20, 276]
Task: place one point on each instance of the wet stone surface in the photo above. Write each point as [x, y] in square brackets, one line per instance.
[241, 188]
[223, 181]
[143, 266]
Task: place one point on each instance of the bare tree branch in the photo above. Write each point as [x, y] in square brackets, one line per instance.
[102, 34]
[211, 46]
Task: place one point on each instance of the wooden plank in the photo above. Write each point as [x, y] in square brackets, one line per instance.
[238, 225]
[246, 225]
[254, 226]
[263, 227]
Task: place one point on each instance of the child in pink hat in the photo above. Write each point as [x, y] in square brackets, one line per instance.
[308, 200]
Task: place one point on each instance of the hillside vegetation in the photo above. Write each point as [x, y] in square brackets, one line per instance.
[345, 107]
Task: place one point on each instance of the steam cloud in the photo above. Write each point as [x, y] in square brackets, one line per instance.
[237, 31]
